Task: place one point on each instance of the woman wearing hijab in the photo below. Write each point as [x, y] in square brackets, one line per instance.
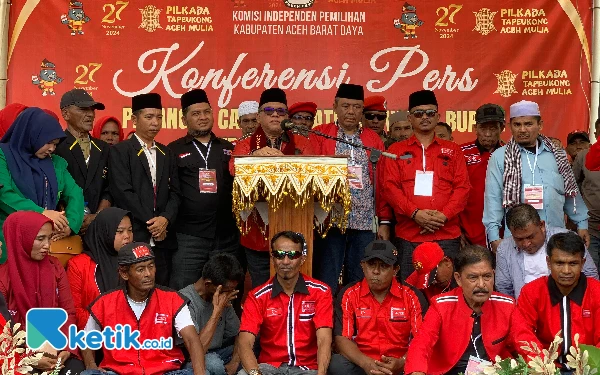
[31, 278]
[35, 180]
[95, 271]
[108, 129]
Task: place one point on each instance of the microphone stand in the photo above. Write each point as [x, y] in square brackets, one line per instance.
[376, 154]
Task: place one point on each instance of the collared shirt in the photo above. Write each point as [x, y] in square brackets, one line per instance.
[474, 349]
[378, 328]
[477, 159]
[450, 186]
[150, 156]
[204, 214]
[363, 210]
[589, 185]
[288, 324]
[510, 264]
[556, 205]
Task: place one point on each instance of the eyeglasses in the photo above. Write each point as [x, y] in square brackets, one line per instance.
[300, 117]
[419, 113]
[270, 111]
[372, 116]
[280, 254]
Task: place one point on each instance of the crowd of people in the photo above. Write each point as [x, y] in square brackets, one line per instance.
[453, 254]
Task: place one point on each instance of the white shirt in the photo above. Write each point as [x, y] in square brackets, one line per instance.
[182, 319]
[534, 265]
[151, 156]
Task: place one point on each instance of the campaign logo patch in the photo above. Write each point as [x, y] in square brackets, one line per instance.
[587, 314]
[473, 159]
[226, 152]
[398, 313]
[447, 151]
[141, 251]
[181, 156]
[161, 318]
[273, 311]
[363, 312]
[308, 307]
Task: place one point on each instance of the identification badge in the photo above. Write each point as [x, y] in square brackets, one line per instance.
[475, 366]
[397, 313]
[424, 184]
[207, 180]
[534, 195]
[355, 177]
[308, 307]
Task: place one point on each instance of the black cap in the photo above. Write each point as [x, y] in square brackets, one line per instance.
[79, 98]
[577, 134]
[142, 101]
[380, 249]
[351, 91]
[135, 252]
[193, 97]
[273, 95]
[423, 97]
[490, 113]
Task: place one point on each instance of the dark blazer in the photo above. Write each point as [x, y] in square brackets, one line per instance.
[92, 178]
[130, 185]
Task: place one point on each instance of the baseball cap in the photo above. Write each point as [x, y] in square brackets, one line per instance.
[383, 250]
[134, 252]
[426, 258]
[577, 134]
[79, 98]
[488, 113]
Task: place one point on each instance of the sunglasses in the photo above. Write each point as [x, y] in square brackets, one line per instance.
[270, 111]
[280, 254]
[300, 117]
[372, 116]
[419, 113]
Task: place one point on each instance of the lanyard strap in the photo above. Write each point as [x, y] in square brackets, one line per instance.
[474, 340]
[534, 162]
[205, 158]
[424, 163]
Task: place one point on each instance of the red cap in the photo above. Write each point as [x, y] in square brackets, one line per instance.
[375, 103]
[426, 258]
[309, 107]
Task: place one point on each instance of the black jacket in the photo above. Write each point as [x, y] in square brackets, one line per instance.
[130, 183]
[92, 178]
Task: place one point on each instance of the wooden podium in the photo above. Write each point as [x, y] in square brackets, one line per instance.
[292, 186]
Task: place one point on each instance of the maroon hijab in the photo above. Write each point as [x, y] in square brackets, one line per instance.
[31, 283]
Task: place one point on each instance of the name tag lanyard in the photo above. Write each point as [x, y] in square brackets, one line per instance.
[474, 341]
[532, 169]
[205, 158]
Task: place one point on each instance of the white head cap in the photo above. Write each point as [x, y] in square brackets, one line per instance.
[524, 108]
[247, 108]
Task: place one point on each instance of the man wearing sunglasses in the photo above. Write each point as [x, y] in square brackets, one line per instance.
[270, 140]
[338, 249]
[427, 187]
[292, 313]
[375, 318]
[303, 114]
[375, 115]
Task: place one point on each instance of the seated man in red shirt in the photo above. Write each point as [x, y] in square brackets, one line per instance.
[292, 315]
[157, 313]
[468, 324]
[566, 300]
[375, 318]
[434, 272]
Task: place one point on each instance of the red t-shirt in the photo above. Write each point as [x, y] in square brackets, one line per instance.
[288, 324]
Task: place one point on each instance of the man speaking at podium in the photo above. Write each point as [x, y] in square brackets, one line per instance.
[269, 139]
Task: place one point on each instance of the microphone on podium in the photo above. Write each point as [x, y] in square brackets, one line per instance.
[287, 124]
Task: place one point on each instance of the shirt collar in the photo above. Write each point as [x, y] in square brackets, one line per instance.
[483, 150]
[188, 138]
[413, 140]
[576, 294]
[358, 130]
[365, 290]
[143, 144]
[299, 288]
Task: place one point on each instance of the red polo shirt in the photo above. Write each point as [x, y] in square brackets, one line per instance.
[378, 328]
[471, 219]
[450, 186]
[288, 324]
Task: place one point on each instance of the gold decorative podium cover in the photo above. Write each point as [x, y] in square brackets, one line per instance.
[302, 178]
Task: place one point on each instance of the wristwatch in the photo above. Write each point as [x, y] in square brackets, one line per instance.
[254, 371]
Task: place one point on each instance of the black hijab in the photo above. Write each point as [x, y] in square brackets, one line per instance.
[98, 243]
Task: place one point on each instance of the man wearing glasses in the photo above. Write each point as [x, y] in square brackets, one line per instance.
[375, 115]
[269, 139]
[303, 114]
[292, 314]
[346, 249]
[427, 187]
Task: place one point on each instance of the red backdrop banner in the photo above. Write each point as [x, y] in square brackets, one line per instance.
[469, 53]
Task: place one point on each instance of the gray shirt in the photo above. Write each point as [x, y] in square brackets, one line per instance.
[201, 311]
[589, 184]
[510, 272]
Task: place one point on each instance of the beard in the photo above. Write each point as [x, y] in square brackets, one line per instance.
[199, 133]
